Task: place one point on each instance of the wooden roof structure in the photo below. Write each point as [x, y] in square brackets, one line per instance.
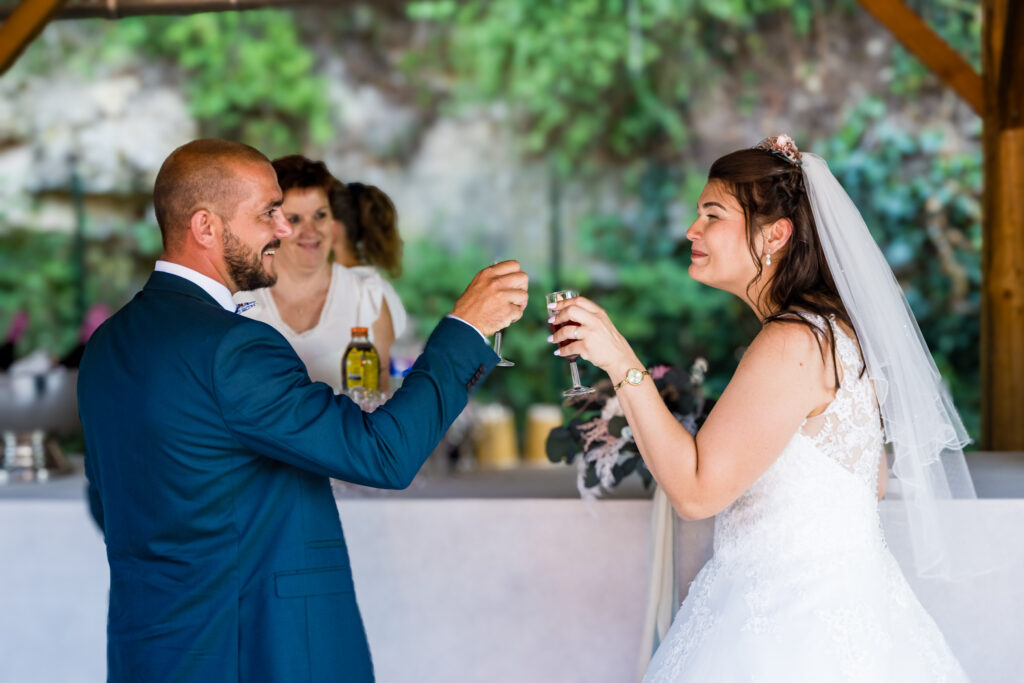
[996, 94]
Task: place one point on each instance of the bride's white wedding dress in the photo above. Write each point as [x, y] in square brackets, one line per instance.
[802, 586]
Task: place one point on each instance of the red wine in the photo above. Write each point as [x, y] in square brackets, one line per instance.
[555, 328]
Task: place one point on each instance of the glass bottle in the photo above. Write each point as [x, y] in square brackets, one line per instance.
[360, 364]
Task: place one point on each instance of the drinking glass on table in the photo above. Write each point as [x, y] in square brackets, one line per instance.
[577, 388]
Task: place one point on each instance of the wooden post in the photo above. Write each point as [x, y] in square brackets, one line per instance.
[22, 26]
[1002, 306]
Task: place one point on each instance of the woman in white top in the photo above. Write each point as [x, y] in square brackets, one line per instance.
[315, 303]
[367, 239]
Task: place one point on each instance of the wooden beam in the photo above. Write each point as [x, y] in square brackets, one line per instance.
[22, 26]
[930, 48]
[118, 9]
[1002, 291]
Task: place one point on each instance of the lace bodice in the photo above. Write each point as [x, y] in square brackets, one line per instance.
[819, 496]
[849, 431]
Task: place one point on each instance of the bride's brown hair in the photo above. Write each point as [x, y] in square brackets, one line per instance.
[769, 187]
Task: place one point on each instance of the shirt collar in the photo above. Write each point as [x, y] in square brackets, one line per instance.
[220, 293]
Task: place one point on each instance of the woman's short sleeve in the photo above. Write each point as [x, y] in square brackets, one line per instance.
[374, 290]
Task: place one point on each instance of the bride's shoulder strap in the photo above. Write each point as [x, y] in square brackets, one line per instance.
[817, 321]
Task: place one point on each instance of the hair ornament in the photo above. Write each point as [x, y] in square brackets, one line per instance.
[783, 147]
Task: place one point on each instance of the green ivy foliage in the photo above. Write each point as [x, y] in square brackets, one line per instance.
[598, 79]
[38, 274]
[249, 76]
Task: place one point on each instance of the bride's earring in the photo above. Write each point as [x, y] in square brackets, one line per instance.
[768, 259]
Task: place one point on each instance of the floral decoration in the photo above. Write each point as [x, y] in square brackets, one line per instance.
[599, 441]
[782, 146]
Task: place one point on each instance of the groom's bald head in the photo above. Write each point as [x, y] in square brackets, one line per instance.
[202, 174]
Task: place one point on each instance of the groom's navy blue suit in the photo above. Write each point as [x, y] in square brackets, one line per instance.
[208, 456]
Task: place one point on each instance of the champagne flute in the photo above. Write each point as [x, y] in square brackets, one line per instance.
[577, 387]
[502, 361]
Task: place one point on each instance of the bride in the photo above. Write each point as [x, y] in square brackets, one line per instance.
[801, 586]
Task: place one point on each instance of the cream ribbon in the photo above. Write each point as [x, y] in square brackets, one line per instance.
[661, 587]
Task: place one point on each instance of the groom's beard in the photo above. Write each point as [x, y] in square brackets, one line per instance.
[245, 266]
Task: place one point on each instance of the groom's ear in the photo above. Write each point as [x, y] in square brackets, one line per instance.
[778, 233]
[202, 227]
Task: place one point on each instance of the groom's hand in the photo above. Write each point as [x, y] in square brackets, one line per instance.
[495, 298]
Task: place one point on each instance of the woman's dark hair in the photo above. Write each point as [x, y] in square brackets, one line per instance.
[371, 224]
[769, 187]
[296, 171]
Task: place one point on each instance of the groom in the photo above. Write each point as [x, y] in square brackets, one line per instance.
[209, 449]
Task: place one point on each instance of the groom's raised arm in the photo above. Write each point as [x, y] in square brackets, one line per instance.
[272, 408]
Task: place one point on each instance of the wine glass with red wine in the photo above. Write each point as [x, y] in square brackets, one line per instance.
[577, 388]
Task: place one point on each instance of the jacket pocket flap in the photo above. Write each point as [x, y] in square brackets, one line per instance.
[305, 582]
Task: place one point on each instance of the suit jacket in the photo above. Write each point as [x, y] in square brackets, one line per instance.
[208, 456]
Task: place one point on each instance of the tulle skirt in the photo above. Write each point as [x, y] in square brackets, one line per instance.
[848, 619]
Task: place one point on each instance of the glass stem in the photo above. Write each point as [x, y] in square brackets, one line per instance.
[575, 375]
[497, 343]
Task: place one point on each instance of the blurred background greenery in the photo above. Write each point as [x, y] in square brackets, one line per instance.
[639, 95]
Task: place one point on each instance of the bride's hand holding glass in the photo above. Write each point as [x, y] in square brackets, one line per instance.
[593, 336]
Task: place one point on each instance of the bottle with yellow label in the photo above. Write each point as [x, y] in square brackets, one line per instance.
[360, 365]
